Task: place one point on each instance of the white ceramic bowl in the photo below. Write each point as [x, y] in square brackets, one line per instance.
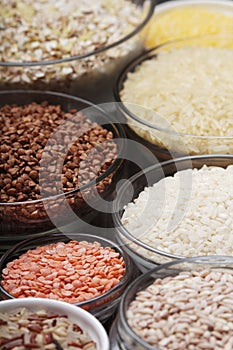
[84, 319]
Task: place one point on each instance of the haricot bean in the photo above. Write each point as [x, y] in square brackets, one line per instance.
[25, 329]
[72, 272]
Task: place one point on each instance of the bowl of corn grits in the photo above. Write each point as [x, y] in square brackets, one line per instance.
[183, 18]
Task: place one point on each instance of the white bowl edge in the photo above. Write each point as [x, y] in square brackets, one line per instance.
[84, 319]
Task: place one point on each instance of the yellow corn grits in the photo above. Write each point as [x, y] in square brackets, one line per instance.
[186, 22]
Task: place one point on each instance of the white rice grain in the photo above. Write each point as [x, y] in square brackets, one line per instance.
[204, 217]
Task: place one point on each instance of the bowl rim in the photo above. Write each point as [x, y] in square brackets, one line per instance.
[140, 281]
[122, 230]
[147, 55]
[76, 311]
[142, 24]
[173, 4]
[118, 129]
[79, 236]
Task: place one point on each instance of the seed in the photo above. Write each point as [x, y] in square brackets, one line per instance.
[25, 329]
[62, 276]
[20, 155]
[59, 37]
[178, 313]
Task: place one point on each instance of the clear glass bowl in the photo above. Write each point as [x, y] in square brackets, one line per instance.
[145, 256]
[121, 335]
[77, 315]
[72, 74]
[173, 20]
[102, 306]
[161, 137]
[17, 221]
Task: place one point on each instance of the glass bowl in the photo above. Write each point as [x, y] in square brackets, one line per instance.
[174, 128]
[77, 315]
[102, 306]
[56, 210]
[88, 74]
[122, 336]
[177, 19]
[145, 252]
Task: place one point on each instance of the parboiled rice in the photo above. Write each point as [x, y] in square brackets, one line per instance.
[196, 215]
[191, 89]
[190, 311]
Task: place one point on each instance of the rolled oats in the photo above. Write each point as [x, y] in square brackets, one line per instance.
[36, 31]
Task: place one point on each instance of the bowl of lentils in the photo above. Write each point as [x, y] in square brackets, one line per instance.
[180, 305]
[49, 324]
[177, 97]
[179, 209]
[73, 48]
[58, 160]
[81, 269]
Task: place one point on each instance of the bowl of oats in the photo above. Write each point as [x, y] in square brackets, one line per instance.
[75, 47]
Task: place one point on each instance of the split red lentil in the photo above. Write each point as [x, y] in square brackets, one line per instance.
[73, 272]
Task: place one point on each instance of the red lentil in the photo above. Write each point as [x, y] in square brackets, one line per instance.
[72, 272]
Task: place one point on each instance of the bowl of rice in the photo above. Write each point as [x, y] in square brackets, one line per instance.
[178, 209]
[181, 305]
[37, 323]
[177, 98]
[74, 48]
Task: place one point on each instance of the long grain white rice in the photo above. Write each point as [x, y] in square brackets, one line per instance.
[191, 89]
[185, 218]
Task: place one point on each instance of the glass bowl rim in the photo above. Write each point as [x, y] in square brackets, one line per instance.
[210, 259]
[115, 125]
[120, 228]
[88, 54]
[146, 55]
[55, 236]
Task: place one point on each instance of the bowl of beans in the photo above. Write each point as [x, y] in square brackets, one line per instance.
[60, 156]
[179, 209]
[44, 48]
[49, 324]
[80, 269]
[183, 305]
[177, 99]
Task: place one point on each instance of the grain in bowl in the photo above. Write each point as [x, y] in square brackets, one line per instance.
[185, 18]
[71, 47]
[49, 324]
[79, 268]
[178, 96]
[179, 213]
[23, 328]
[181, 305]
[39, 131]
